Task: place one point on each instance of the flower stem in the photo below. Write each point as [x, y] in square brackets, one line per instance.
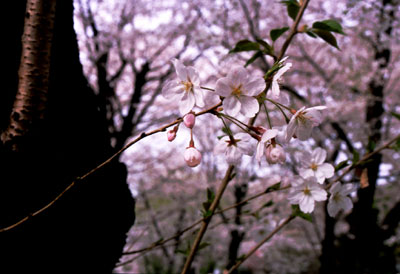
[206, 88]
[266, 111]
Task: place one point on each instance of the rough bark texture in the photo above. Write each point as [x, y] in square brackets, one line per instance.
[85, 231]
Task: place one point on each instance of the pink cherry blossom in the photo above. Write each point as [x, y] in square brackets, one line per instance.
[192, 157]
[189, 120]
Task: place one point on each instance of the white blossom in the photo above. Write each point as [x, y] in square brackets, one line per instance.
[305, 192]
[277, 79]
[312, 164]
[238, 91]
[264, 142]
[187, 88]
[233, 150]
[339, 198]
[303, 121]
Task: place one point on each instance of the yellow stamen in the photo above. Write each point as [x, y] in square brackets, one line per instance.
[188, 85]
[314, 166]
[307, 191]
[236, 91]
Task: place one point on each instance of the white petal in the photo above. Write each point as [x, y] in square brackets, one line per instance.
[193, 76]
[245, 145]
[237, 76]
[304, 159]
[295, 197]
[333, 208]
[249, 106]
[318, 194]
[171, 89]
[347, 189]
[314, 116]
[307, 204]
[268, 135]
[327, 169]
[187, 103]
[282, 70]
[304, 129]
[180, 69]
[260, 151]
[232, 155]
[254, 87]
[335, 188]
[297, 181]
[290, 129]
[223, 87]
[231, 105]
[221, 146]
[320, 176]
[346, 203]
[275, 89]
[199, 97]
[318, 108]
[318, 155]
[305, 173]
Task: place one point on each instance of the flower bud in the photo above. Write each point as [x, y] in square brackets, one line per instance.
[189, 120]
[192, 157]
[275, 154]
[171, 134]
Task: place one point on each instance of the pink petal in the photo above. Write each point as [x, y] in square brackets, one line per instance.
[231, 105]
[249, 106]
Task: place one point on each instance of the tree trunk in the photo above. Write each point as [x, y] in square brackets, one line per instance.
[85, 231]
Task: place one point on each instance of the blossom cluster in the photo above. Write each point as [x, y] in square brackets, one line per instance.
[242, 96]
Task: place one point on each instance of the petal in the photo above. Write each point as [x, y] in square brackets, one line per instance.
[237, 76]
[304, 129]
[314, 116]
[318, 155]
[335, 188]
[249, 106]
[199, 97]
[254, 87]
[268, 135]
[333, 208]
[171, 89]
[231, 105]
[304, 159]
[347, 189]
[187, 102]
[232, 155]
[317, 108]
[307, 204]
[290, 129]
[320, 176]
[260, 151]
[221, 146]
[327, 169]
[181, 70]
[275, 89]
[193, 76]
[295, 197]
[305, 173]
[223, 87]
[282, 70]
[346, 203]
[318, 194]
[245, 145]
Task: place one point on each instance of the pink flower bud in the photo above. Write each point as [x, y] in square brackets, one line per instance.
[192, 156]
[275, 154]
[171, 134]
[189, 120]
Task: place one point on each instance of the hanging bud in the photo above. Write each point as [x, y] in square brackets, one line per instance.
[189, 120]
[192, 157]
[275, 154]
[171, 134]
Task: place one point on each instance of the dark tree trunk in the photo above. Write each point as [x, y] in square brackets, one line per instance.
[85, 231]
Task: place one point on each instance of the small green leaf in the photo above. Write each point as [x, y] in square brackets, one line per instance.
[264, 44]
[245, 45]
[276, 33]
[293, 8]
[297, 212]
[327, 37]
[371, 145]
[356, 156]
[341, 165]
[396, 115]
[329, 25]
[226, 131]
[273, 187]
[253, 58]
[207, 213]
[396, 146]
[210, 195]
[203, 245]
[311, 34]
[268, 204]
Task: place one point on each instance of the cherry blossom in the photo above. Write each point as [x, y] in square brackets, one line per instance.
[189, 120]
[277, 79]
[234, 147]
[305, 192]
[303, 121]
[264, 142]
[275, 154]
[192, 156]
[171, 134]
[312, 164]
[187, 88]
[339, 198]
[238, 91]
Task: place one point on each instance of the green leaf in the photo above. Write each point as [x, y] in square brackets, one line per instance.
[371, 145]
[327, 37]
[268, 204]
[245, 45]
[341, 165]
[273, 187]
[253, 58]
[396, 115]
[297, 212]
[210, 195]
[264, 44]
[311, 34]
[293, 8]
[356, 156]
[207, 213]
[203, 245]
[396, 146]
[329, 25]
[276, 33]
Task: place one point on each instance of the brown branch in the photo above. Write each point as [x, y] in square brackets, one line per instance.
[34, 70]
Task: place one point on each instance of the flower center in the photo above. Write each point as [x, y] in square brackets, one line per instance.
[232, 142]
[302, 118]
[314, 166]
[188, 85]
[307, 191]
[237, 91]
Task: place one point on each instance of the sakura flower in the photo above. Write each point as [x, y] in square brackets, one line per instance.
[192, 157]
[171, 135]
[275, 154]
[234, 148]
[312, 164]
[238, 91]
[305, 192]
[303, 121]
[265, 141]
[339, 199]
[187, 88]
[277, 78]
[189, 120]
